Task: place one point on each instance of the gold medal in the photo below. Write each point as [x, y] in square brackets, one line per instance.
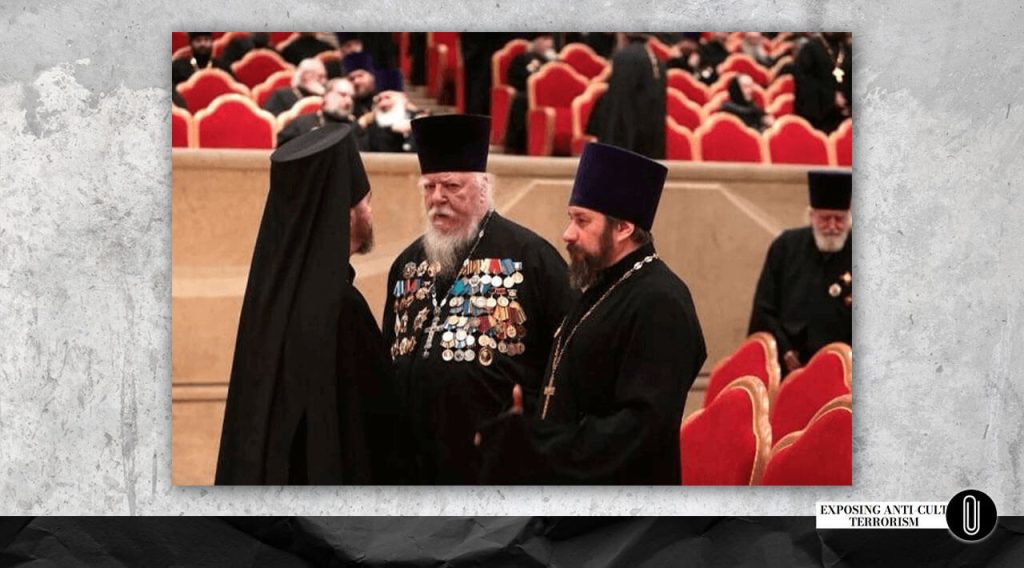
[834, 290]
[846, 278]
[848, 301]
[409, 270]
[486, 357]
[517, 278]
[447, 355]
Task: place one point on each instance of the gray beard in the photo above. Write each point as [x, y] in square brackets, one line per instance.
[830, 244]
[448, 250]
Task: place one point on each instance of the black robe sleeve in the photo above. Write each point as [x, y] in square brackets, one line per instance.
[766, 314]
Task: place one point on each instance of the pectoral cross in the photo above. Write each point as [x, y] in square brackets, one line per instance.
[434, 327]
[838, 74]
[549, 391]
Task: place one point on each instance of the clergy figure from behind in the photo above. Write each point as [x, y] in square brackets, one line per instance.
[310, 399]
[805, 294]
[626, 354]
[472, 304]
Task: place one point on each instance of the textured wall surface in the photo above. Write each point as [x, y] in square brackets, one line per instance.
[85, 259]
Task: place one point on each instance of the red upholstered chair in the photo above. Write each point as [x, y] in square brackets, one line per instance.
[743, 63]
[279, 39]
[660, 50]
[721, 85]
[841, 142]
[404, 57]
[206, 85]
[234, 121]
[776, 71]
[804, 391]
[792, 140]
[680, 144]
[781, 86]
[258, 64]
[757, 356]
[782, 105]
[728, 442]
[305, 105]
[222, 42]
[685, 112]
[821, 454]
[551, 91]
[582, 106]
[178, 40]
[501, 92]
[688, 85]
[718, 99]
[182, 53]
[261, 92]
[445, 76]
[724, 138]
[182, 128]
[734, 43]
[583, 59]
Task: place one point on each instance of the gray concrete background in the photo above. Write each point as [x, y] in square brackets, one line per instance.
[85, 256]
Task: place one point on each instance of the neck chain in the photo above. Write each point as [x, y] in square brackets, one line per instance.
[549, 390]
[435, 324]
[837, 60]
[195, 64]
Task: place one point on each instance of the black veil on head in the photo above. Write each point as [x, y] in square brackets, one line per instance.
[287, 332]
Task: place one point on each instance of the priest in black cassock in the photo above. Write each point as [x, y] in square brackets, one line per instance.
[804, 297]
[201, 44]
[311, 399]
[519, 70]
[472, 304]
[822, 80]
[625, 356]
[631, 113]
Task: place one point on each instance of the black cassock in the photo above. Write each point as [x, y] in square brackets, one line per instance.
[619, 392]
[311, 398]
[631, 113]
[489, 337]
[519, 71]
[815, 85]
[804, 296]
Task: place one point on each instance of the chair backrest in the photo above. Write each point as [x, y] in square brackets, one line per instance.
[583, 105]
[792, 140]
[783, 85]
[685, 112]
[503, 57]
[305, 105]
[688, 85]
[449, 41]
[182, 128]
[743, 63]
[721, 84]
[821, 454]
[222, 42]
[716, 101]
[660, 50]
[680, 143]
[254, 67]
[178, 40]
[206, 85]
[757, 356]
[329, 56]
[782, 105]
[842, 144]
[283, 44]
[261, 92]
[234, 121]
[278, 38]
[555, 85]
[776, 70]
[184, 52]
[724, 138]
[583, 59]
[728, 442]
[804, 391]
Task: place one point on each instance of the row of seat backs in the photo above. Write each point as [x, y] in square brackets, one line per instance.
[234, 121]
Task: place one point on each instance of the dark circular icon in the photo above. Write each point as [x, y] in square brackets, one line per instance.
[971, 515]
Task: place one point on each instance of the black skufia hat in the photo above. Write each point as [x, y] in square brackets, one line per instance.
[452, 142]
[830, 190]
[619, 183]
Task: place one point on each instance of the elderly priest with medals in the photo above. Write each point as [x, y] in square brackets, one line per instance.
[626, 354]
[472, 303]
[310, 399]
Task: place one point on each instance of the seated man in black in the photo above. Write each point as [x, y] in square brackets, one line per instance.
[336, 108]
[519, 70]
[307, 81]
[202, 58]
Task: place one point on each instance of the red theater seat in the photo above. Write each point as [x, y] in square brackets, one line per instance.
[262, 92]
[583, 59]
[181, 53]
[582, 106]
[660, 50]
[792, 140]
[742, 63]
[549, 122]
[305, 105]
[724, 138]
[804, 391]
[688, 85]
[776, 71]
[721, 85]
[680, 144]
[182, 128]
[685, 112]
[501, 92]
[234, 121]
[757, 357]
[278, 39]
[206, 85]
[842, 143]
[782, 105]
[821, 454]
[783, 85]
[257, 65]
[178, 40]
[223, 41]
[727, 443]
[444, 69]
[718, 99]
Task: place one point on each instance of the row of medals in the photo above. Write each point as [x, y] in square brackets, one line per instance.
[835, 289]
[490, 323]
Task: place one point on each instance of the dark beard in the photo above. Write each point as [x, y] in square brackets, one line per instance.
[584, 268]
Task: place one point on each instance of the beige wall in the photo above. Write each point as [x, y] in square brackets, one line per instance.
[713, 227]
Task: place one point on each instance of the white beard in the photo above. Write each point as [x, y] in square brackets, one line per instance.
[448, 250]
[827, 243]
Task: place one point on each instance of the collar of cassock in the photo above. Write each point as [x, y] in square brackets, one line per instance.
[612, 274]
